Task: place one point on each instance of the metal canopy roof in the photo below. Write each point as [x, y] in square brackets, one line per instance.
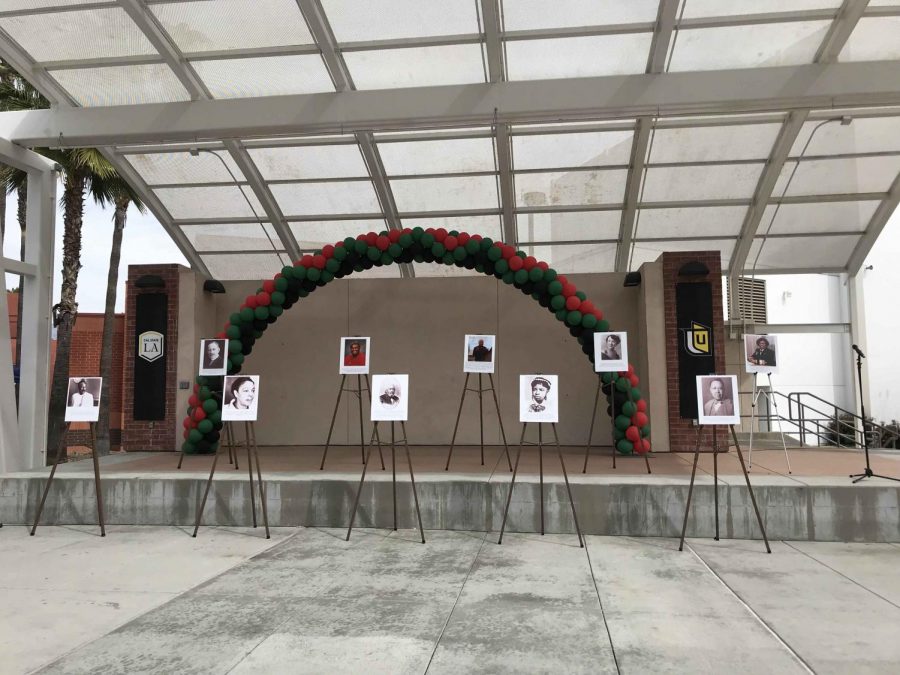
[593, 133]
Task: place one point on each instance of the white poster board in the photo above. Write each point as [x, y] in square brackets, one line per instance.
[539, 398]
[356, 354]
[213, 357]
[241, 398]
[390, 398]
[717, 399]
[760, 354]
[83, 399]
[610, 352]
[480, 353]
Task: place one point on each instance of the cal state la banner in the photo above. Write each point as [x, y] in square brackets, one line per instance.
[696, 352]
[150, 318]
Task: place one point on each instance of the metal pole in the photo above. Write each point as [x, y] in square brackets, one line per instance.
[541, 465]
[259, 482]
[412, 480]
[250, 470]
[715, 445]
[456, 425]
[394, 473]
[762, 527]
[232, 447]
[587, 448]
[568, 487]
[774, 400]
[687, 506]
[481, 416]
[59, 454]
[512, 484]
[361, 480]
[334, 417]
[500, 420]
[369, 392]
[97, 486]
[212, 471]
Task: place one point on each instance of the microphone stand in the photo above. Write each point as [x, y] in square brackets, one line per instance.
[867, 472]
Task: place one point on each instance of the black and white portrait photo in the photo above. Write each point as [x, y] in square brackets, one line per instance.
[355, 356]
[83, 399]
[539, 398]
[213, 357]
[479, 354]
[717, 401]
[240, 398]
[390, 398]
[761, 354]
[610, 352]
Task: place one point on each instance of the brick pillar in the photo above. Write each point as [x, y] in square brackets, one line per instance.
[682, 432]
[143, 434]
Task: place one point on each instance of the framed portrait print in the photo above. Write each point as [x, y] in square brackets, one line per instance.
[83, 399]
[761, 354]
[610, 352]
[356, 354]
[390, 398]
[539, 398]
[213, 357]
[479, 354]
[240, 398]
[717, 399]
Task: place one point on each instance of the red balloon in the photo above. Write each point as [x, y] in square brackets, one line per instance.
[463, 238]
[394, 236]
[193, 401]
[371, 238]
[196, 388]
[633, 379]
[406, 230]
[573, 302]
[516, 263]
[477, 237]
[597, 313]
[199, 414]
[645, 445]
[361, 237]
[568, 290]
[186, 433]
[508, 251]
[544, 266]
[382, 243]
[633, 434]
[561, 278]
[319, 261]
[630, 368]
[641, 406]
[269, 286]
[450, 242]
[263, 299]
[640, 418]
[251, 301]
[186, 423]
[530, 262]
[440, 234]
[339, 244]
[587, 307]
[328, 251]
[306, 261]
[221, 335]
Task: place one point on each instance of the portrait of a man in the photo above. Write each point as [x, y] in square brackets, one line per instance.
[390, 398]
[354, 355]
[83, 399]
[610, 352]
[479, 354]
[761, 354]
[539, 398]
[717, 399]
[213, 357]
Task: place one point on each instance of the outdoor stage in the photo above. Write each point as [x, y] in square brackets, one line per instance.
[815, 503]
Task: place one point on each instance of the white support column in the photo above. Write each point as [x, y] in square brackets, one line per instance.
[9, 430]
[857, 311]
[37, 294]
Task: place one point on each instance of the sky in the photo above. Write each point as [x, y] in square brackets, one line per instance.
[791, 299]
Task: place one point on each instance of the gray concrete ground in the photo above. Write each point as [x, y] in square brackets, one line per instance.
[152, 599]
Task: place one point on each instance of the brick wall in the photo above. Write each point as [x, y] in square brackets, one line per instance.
[145, 434]
[682, 432]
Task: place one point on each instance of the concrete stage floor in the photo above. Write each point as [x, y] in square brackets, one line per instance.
[152, 599]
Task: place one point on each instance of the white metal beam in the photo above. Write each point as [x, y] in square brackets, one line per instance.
[873, 229]
[22, 159]
[18, 267]
[819, 86]
[839, 32]
[10, 444]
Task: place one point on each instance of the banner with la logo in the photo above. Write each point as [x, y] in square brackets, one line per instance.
[696, 350]
[150, 318]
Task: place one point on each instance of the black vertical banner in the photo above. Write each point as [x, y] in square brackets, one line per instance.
[150, 318]
[696, 353]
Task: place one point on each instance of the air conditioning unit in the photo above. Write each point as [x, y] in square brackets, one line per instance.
[752, 298]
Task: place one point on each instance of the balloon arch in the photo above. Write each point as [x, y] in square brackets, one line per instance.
[631, 426]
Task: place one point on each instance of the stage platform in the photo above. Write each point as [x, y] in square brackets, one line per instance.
[816, 502]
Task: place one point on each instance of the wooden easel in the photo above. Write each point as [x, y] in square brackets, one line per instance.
[687, 507]
[512, 484]
[376, 440]
[587, 448]
[252, 453]
[97, 487]
[480, 391]
[228, 440]
[358, 393]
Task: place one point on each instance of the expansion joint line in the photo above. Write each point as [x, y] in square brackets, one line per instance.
[612, 647]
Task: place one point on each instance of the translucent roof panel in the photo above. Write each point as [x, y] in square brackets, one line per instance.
[265, 76]
[801, 252]
[689, 183]
[354, 21]
[311, 235]
[707, 221]
[220, 201]
[232, 237]
[706, 8]
[486, 226]
[572, 188]
[243, 266]
[234, 24]
[534, 14]
[576, 257]
[822, 217]
[309, 161]
[577, 57]
[60, 36]
[770, 44]
[551, 151]
[312, 199]
[713, 143]
[568, 226]
[122, 85]
[648, 251]
[162, 168]
[461, 155]
[457, 193]
[416, 66]
[838, 176]
[873, 39]
[864, 134]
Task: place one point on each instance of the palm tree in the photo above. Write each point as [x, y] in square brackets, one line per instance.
[116, 192]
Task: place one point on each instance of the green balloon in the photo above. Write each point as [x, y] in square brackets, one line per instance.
[589, 321]
[629, 408]
[561, 314]
[550, 275]
[405, 240]
[618, 434]
[235, 319]
[236, 359]
[194, 436]
[635, 393]
[573, 318]
[427, 240]
[622, 384]
[554, 287]
[204, 426]
[501, 267]
[472, 246]
[417, 233]
[494, 253]
[332, 265]
[536, 274]
[448, 258]
[508, 277]
[625, 446]
[235, 347]
[203, 393]
[233, 332]
[257, 334]
[247, 314]
[438, 250]
[581, 295]
[215, 417]
[460, 253]
[557, 302]
[607, 377]
[385, 258]
[602, 326]
[360, 246]
[281, 283]
[645, 430]
[486, 243]
[373, 253]
[261, 313]
[276, 310]
[622, 422]
[521, 276]
[277, 298]
[340, 252]
[188, 448]
[349, 243]
[395, 250]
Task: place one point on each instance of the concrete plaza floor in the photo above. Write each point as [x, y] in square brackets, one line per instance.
[152, 599]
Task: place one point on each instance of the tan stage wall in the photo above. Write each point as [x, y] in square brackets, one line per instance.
[417, 327]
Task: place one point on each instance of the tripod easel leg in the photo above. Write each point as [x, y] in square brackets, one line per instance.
[541, 465]
[716, 479]
[259, 480]
[212, 472]
[362, 480]
[481, 416]
[456, 425]
[369, 392]
[780, 429]
[500, 420]
[250, 470]
[232, 447]
[587, 448]
[334, 417]
[97, 487]
[59, 453]
[687, 506]
[412, 480]
[762, 528]
[568, 487]
[512, 484]
[394, 473]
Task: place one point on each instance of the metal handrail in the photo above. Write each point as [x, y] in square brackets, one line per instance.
[842, 428]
